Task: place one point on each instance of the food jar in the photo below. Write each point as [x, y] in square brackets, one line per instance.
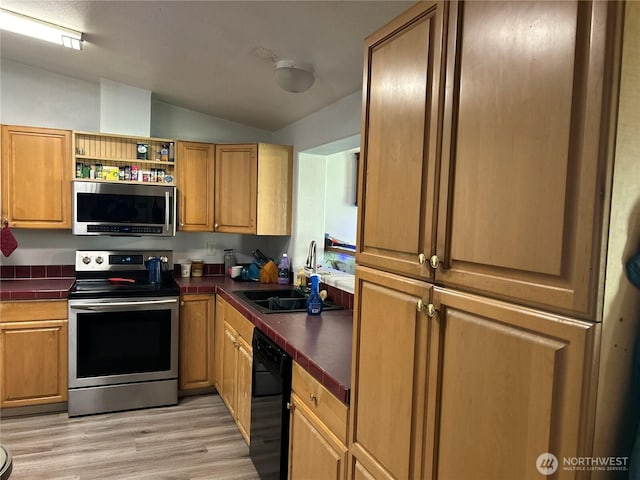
[197, 267]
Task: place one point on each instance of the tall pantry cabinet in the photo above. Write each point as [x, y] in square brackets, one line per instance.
[482, 179]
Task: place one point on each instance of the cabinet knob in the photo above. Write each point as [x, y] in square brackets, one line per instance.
[182, 304]
[313, 399]
[434, 261]
[181, 224]
[420, 305]
[215, 226]
[431, 310]
[422, 258]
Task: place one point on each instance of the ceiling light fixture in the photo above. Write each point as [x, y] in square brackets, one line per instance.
[32, 27]
[293, 76]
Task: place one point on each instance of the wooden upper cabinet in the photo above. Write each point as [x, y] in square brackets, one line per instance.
[195, 167]
[253, 189]
[236, 176]
[524, 153]
[399, 142]
[514, 384]
[36, 177]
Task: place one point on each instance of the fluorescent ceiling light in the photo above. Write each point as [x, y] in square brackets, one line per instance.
[32, 27]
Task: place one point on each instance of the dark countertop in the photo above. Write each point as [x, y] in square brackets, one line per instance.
[35, 289]
[321, 345]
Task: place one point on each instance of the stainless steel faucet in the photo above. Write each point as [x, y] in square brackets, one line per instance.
[312, 262]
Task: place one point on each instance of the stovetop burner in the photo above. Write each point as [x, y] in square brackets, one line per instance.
[86, 288]
[113, 274]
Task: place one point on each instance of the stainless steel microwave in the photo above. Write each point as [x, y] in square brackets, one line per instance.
[103, 208]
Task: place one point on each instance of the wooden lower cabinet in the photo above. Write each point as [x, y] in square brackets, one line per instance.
[460, 386]
[196, 358]
[235, 371]
[515, 384]
[218, 342]
[389, 374]
[315, 453]
[243, 388]
[33, 353]
[359, 472]
[229, 368]
[317, 431]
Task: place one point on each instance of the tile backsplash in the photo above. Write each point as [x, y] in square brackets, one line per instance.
[12, 272]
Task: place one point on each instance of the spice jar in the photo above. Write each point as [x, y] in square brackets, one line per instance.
[197, 266]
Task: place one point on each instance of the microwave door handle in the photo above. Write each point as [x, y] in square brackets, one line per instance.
[167, 207]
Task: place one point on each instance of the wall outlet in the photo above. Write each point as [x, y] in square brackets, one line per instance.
[211, 248]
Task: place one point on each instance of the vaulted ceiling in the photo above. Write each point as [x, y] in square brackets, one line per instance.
[215, 57]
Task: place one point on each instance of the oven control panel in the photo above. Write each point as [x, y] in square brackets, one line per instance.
[114, 260]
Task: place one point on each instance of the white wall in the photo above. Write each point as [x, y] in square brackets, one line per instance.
[170, 121]
[309, 209]
[340, 189]
[318, 133]
[339, 120]
[124, 109]
[37, 97]
[32, 96]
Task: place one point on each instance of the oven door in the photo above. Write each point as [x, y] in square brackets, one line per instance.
[122, 340]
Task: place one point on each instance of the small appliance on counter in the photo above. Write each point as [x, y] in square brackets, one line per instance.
[123, 331]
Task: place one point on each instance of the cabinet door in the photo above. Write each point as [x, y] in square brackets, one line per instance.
[34, 362]
[196, 342]
[314, 452]
[275, 184]
[523, 179]
[229, 368]
[360, 473]
[36, 177]
[219, 342]
[398, 154]
[389, 373]
[195, 166]
[236, 179]
[243, 396]
[513, 387]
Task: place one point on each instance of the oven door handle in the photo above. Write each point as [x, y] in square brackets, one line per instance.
[106, 306]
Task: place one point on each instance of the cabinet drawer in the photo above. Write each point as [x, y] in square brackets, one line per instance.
[331, 411]
[239, 323]
[31, 310]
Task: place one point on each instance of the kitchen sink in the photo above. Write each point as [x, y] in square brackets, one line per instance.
[280, 300]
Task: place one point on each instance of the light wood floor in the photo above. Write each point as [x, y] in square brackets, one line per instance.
[195, 440]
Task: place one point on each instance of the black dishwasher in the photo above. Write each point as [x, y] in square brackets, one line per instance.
[270, 395]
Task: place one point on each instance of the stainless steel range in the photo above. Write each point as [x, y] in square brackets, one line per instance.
[123, 332]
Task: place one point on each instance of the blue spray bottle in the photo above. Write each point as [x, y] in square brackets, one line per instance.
[314, 301]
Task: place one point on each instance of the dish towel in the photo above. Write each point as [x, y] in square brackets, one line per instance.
[8, 242]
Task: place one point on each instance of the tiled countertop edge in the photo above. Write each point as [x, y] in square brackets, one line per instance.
[335, 387]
